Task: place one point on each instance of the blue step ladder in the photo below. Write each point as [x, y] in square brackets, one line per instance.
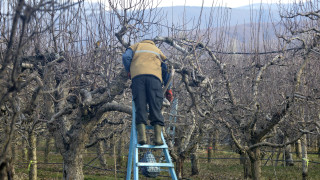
[133, 159]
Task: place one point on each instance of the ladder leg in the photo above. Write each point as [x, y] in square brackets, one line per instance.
[130, 157]
[135, 166]
[132, 146]
[168, 160]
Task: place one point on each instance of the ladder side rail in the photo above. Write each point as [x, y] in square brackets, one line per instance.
[131, 145]
[168, 160]
[130, 156]
[135, 165]
[135, 142]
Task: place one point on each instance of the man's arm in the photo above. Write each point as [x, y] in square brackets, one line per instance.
[166, 77]
[127, 58]
[165, 74]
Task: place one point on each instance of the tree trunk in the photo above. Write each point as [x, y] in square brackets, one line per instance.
[13, 148]
[318, 146]
[210, 147]
[210, 153]
[298, 148]
[24, 149]
[100, 153]
[48, 111]
[120, 151]
[179, 166]
[255, 164]
[111, 144]
[195, 166]
[114, 157]
[304, 157]
[56, 149]
[47, 150]
[7, 171]
[72, 165]
[213, 144]
[277, 157]
[288, 153]
[245, 161]
[72, 146]
[215, 139]
[32, 154]
[6, 163]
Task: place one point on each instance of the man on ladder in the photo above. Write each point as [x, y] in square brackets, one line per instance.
[144, 63]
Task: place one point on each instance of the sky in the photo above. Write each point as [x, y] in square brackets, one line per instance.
[206, 3]
[227, 3]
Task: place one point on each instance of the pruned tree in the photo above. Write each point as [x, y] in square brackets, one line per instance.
[18, 82]
[61, 69]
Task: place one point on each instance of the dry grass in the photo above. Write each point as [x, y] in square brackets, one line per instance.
[221, 167]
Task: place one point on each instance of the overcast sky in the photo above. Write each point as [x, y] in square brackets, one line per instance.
[207, 3]
[228, 3]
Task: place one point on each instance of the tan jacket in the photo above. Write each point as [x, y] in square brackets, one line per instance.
[147, 59]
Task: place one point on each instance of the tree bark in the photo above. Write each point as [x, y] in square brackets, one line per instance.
[318, 146]
[32, 153]
[7, 171]
[277, 157]
[6, 163]
[179, 166]
[210, 147]
[215, 140]
[255, 164]
[47, 150]
[100, 153]
[194, 164]
[56, 149]
[210, 153]
[288, 153]
[120, 151]
[72, 165]
[24, 149]
[298, 148]
[111, 144]
[213, 144]
[304, 157]
[13, 148]
[72, 146]
[245, 161]
[114, 157]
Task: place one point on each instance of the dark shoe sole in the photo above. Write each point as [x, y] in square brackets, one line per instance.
[157, 144]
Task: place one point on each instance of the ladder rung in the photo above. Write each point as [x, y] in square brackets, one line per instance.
[167, 170]
[133, 156]
[152, 146]
[155, 164]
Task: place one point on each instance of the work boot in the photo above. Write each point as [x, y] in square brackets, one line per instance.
[142, 138]
[157, 135]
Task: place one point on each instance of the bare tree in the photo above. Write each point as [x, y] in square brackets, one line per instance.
[61, 66]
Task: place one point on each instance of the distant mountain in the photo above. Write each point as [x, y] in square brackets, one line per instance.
[222, 16]
[239, 21]
[258, 6]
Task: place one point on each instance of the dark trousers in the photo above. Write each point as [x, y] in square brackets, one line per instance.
[146, 89]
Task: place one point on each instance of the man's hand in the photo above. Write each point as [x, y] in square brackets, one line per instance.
[169, 95]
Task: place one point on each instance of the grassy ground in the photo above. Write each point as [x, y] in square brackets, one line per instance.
[224, 167]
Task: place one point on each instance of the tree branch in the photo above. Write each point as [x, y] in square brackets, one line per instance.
[276, 145]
